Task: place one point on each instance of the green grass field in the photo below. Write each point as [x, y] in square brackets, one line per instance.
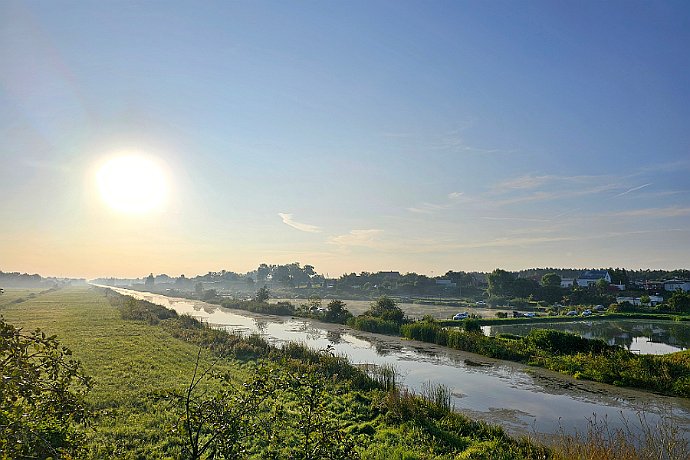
[131, 363]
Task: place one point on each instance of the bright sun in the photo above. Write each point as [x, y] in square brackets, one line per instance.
[132, 184]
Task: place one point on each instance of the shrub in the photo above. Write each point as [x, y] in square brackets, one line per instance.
[558, 342]
[41, 396]
[472, 325]
[374, 324]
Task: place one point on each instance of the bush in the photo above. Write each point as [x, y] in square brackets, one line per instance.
[42, 394]
[374, 324]
[564, 343]
[472, 325]
[280, 308]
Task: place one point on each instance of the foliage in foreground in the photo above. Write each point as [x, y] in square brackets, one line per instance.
[41, 395]
[635, 440]
[568, 353]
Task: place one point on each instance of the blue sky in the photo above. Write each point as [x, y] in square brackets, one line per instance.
[411, 136]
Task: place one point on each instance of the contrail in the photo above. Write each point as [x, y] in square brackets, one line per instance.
[633, 189]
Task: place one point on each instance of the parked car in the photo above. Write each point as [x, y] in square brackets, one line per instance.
[571, 313]
[480, 303]
[461, 316]
[600, 308]
[587, 313]
[529, 314]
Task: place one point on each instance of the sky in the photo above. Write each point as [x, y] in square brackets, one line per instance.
[418, 136]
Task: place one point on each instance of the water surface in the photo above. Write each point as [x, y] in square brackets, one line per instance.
[639, 336]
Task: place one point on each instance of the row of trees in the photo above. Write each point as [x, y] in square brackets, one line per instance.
[509, 285]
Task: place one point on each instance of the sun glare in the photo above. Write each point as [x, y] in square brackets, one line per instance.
[132, 184]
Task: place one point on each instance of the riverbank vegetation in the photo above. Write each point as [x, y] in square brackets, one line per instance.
[334, 312]
[168, 386]
[567, 353]
[384, 317]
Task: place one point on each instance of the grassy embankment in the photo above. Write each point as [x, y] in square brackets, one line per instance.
[136, 363]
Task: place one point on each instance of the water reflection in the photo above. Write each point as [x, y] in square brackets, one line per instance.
[334, 336]
[640, 336]
[261, 326]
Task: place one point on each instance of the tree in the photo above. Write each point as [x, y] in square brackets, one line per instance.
[602, 286]
[679, 302]
[551, 280]
[500, 282]
[262, 272]
[336, 312]
[42, 393]
[386, 308]
[263, 294]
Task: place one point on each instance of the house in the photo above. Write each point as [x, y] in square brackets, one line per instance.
[567, 282]
[446, 283]
[637, 301]
[590, 277]
[674, 285]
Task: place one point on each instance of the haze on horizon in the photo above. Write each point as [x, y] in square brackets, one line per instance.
[183, 137]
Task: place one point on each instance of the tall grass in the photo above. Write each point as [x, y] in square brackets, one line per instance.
[635, 440]
[439, 396]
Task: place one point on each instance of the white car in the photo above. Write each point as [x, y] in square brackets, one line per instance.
[480, 303]
[529, 314]
[461, 316]
[587, 313]
[571, 313]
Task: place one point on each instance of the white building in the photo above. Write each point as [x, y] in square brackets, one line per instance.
[567, 282]
[590, 277]
[674, 285]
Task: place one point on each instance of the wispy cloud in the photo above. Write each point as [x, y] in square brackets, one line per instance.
[288, 220]
[634, 189]
[523, 183]
[428, 208]
[365, 238]
[519, 219]
[655, 212]
[454, 141]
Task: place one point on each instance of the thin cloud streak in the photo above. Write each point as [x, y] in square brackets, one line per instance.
[288, 220]
[655, 212]
[363, 237]
[633, 190]
[428, 208]
[520, 219]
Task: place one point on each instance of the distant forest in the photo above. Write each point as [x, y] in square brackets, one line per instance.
[295, 275]
[25, 280]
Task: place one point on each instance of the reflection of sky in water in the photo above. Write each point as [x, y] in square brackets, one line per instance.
[639, 336]
[480, 389]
